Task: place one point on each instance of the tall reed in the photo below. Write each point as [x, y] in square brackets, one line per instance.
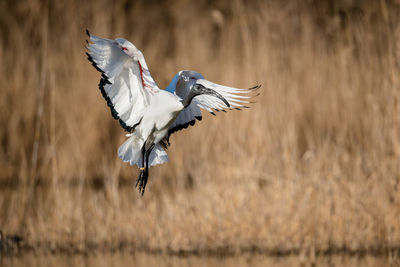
[314, 164]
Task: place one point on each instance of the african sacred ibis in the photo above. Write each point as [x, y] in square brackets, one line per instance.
[150, 115]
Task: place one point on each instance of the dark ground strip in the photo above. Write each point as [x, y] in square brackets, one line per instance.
[19, 248]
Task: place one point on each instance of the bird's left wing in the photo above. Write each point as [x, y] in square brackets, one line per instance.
[237, 99]
[125, 82]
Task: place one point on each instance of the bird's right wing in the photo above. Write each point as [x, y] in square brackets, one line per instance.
[125, 82]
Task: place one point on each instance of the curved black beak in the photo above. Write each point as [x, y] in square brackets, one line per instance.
[207, 91]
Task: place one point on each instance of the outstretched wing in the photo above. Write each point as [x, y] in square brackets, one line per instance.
[237, 98]
[125, 82]
[186, 118]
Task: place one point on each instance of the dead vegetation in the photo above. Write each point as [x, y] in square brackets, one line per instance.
[314, 165]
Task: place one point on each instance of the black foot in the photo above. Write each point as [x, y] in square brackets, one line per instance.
[142, 181]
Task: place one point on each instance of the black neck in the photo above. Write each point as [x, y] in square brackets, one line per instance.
[186, 102]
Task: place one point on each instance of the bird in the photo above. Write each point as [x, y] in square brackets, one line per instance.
[147, 113]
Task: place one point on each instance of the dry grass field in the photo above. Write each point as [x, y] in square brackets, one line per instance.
[314, 165]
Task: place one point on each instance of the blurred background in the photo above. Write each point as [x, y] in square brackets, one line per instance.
[312, 166]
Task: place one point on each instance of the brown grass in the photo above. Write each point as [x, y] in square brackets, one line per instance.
[314, 165]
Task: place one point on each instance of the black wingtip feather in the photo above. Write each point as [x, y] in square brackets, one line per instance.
[90, 58]
[87, 32]
[180, 127]
[213, 113]
[105, 78]
[184, 126]
[255, 87]
[114, 114]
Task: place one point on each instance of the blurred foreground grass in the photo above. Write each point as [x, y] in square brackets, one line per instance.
[314, 165]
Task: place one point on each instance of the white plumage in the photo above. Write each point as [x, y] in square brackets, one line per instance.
[150, 114]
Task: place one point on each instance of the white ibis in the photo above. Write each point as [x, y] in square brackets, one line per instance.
[150, 115]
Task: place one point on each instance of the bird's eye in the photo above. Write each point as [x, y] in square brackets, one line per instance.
[124, 49]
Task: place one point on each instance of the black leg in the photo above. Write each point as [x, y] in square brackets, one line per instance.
[147, 167]
[145, 176]
[139, 179]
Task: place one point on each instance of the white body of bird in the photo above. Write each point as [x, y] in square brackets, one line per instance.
[159, 115]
